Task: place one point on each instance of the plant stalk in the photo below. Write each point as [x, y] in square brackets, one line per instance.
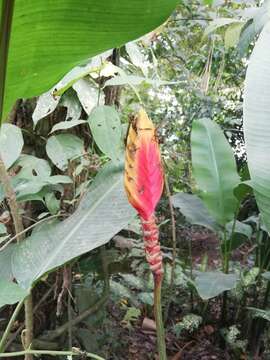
[158, 317]
[9, 327]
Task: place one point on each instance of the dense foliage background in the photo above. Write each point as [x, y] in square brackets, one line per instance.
[80, 253]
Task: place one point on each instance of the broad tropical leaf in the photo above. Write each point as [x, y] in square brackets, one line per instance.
[194, 210]
[214, 170]
[50, 37]
[213, 283]
[103, 212]
[257, 124]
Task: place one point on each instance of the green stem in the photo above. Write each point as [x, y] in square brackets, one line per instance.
[10, 324]
[5, 29]
[51, 353]
[158, 317]
[29, 324]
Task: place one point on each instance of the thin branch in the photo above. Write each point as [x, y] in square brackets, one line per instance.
[27, 229]
[51, 353]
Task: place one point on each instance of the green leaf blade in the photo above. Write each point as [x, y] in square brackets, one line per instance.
[49, 38]
[214, 170]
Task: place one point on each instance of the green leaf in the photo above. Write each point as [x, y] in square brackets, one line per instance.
[213, 283]
[64, 147]
[241, 233]
[64, 125]
[194, 210]
[5, 263]
[49, 38]
[52, 203]
[88, 95]
[137, 58]
[259, 313]
[102, 213]
[72, 104]
[11, 143]
[32, 166]
[10, 293]
[257, 124]
[253, 27]
[242, 190]
[240, 228]
[214, 170]
[232, 34]
[217, 23]
[3, 229]
[106, 128]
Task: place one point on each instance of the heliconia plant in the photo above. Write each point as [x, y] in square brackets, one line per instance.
[144, 182]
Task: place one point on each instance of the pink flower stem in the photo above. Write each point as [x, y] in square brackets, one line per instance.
[154, 259]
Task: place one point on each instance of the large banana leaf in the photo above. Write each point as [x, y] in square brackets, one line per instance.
[103, 212]
[257, 122]
[50, 37]
[214, 170]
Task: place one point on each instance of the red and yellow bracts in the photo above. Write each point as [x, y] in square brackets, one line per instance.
[144, 183]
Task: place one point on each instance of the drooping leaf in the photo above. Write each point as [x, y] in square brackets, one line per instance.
[11, 143]
[213, 283]
[106, 128]
[214, 170]
[257, 124]
[48, 38]
[10, 293]
[194, 210]
[102, 213]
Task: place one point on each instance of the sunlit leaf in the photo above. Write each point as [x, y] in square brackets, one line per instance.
[49, 38]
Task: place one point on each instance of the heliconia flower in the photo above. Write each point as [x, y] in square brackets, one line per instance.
[144, 182]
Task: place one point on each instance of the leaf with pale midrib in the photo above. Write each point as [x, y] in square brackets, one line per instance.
[102, 213]
[49, 38]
